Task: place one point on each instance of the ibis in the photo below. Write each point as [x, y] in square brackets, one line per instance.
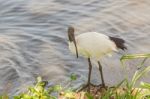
[93, 45]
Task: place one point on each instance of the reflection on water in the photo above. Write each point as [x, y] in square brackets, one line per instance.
[33, 39]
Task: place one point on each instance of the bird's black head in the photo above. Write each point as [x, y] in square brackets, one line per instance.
[71, 34]
[71, 37]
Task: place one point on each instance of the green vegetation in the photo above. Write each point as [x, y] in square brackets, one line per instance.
[124, 90]
[36, 92]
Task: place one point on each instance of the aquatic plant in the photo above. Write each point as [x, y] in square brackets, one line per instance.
[126, 89]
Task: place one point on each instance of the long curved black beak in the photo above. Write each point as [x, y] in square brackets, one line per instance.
[76, 48]
[71, 37]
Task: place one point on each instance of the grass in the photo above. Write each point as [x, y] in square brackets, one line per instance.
[124, 90]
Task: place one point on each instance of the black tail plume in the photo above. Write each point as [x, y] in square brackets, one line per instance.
[119, 42]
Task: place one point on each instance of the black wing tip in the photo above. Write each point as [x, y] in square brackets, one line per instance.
[119, 42]
[124, 48]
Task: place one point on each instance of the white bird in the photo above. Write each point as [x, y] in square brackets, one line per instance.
[93, 45]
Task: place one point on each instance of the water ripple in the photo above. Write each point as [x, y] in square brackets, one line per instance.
[33, 38]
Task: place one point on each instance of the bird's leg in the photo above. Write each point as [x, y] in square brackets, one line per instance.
[101, 73]
[89, 77]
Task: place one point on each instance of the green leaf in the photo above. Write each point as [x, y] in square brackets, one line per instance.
[69, 95]
[89, 96]
[39, 89]
[39, 79]
[145, 85]
[73, 77]
[4, 97]
[42, 83]
[55, 88]
[134, 56]
[138, 75]
[25, 96]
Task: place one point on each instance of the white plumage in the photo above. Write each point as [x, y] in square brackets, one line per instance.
[93, 45]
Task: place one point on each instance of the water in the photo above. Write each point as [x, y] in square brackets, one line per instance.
[33, 39]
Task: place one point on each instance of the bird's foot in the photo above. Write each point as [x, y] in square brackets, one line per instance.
[102, 86]
[88, 87]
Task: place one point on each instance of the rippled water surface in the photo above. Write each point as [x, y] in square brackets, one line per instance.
[33, 39]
